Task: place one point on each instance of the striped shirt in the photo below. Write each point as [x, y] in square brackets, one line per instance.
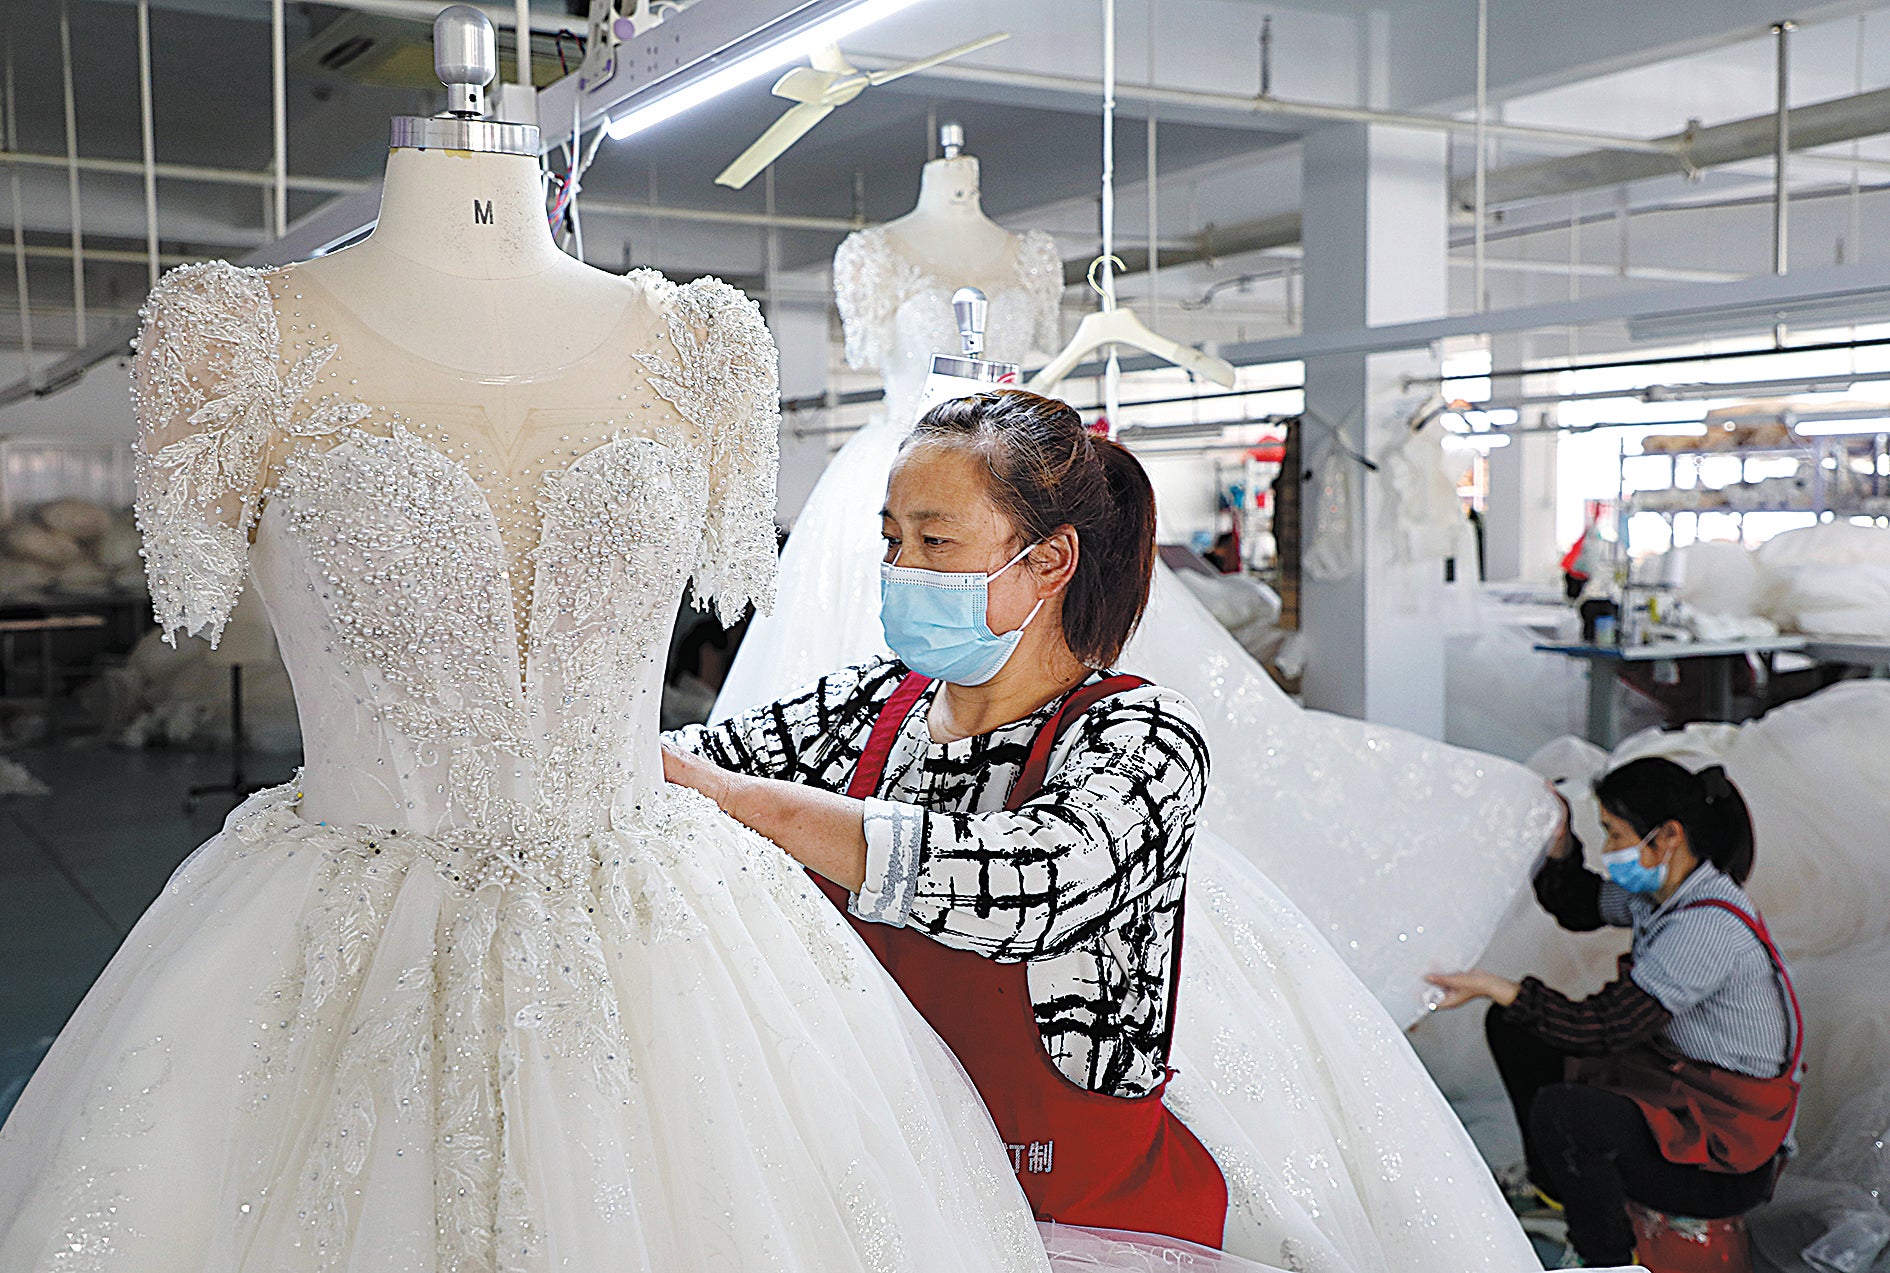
[1083, 883]
[1709, 971]
[1696, 979]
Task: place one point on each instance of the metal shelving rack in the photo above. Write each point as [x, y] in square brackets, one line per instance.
[1825, 452]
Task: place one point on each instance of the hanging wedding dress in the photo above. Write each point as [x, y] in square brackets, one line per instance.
[896, 314]
[480, 991]
[1339, 1151]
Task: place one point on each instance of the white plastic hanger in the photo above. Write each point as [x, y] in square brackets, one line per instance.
[1114, 326]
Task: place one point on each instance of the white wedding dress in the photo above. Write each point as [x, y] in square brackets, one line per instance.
[1339, 1151]
[479, 991]
[896, 315]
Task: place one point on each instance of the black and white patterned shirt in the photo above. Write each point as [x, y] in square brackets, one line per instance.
[1083, 882]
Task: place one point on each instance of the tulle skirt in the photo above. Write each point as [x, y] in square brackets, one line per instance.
[316, 1050]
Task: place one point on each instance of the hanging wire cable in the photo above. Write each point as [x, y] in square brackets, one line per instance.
[569, 184]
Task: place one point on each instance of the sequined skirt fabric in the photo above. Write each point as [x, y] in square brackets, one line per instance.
[319, 1051]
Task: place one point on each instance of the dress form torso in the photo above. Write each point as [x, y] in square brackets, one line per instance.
[947, 232]
[503, 466]
[460, 314]
[894, 285]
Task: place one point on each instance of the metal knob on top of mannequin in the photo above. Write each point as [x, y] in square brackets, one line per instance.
[963, 374]
[466, 58]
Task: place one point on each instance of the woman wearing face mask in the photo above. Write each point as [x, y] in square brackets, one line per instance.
[1675, 1085]
[1007, 823]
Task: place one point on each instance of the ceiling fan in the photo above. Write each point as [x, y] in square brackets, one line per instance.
[816, 90]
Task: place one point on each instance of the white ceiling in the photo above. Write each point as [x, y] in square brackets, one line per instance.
[1634, 68]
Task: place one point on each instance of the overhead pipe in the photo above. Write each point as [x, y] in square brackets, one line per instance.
[72, 172]
[184, 172]
[1284, 229]
[342, 185]
[149, 166]
[1698, 391]
[123, 256]
[1693, 149]
[1266, 104]
[1662, 360]
[1781, 150]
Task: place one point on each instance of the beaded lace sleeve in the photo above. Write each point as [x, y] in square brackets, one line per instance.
[727, 383]
[210, 398]
[1040, 266]
[864, 292]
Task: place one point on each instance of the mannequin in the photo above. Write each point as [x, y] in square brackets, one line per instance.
[900, 277]
[894, 285]
[461, 313]
[947, 232]
[462, 265]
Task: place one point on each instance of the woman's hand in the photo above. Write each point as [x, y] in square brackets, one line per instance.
[686, 769]
[1563, 844]
[822, 830]
[1464, 987]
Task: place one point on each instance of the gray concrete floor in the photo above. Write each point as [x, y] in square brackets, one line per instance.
[79, 865]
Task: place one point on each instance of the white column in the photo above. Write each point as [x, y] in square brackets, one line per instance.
[1519, 526]
[1376, 215]
[800, 333]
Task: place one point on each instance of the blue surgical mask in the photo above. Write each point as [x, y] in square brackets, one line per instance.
[1624, 868]
[935, 622]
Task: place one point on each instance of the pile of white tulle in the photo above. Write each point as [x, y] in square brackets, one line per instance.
[1832, 579]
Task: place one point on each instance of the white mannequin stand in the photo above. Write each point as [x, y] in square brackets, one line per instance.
[947, 233]
[462, 266]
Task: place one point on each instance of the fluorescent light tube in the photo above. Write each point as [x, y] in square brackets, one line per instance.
[1484, 442]
[751, 65]
[1841, 428]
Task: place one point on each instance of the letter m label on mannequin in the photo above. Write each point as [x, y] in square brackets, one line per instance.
[482, 212]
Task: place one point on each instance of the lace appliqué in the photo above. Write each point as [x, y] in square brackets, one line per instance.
[725, 381]
[210, 397]
[872, 279]
[430, 1054]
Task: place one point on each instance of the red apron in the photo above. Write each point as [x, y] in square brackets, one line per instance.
[1082, 1157]
[1700, 1114]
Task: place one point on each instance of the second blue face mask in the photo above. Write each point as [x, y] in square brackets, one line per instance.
[1624, 868]
[935, 622]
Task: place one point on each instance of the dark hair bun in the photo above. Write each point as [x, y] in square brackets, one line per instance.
[1653, 791]
[1049, 471]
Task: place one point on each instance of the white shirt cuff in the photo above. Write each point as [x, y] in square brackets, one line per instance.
[893, 834]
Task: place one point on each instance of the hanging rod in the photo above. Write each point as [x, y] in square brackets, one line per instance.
[1718, 355]
[820, 401]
